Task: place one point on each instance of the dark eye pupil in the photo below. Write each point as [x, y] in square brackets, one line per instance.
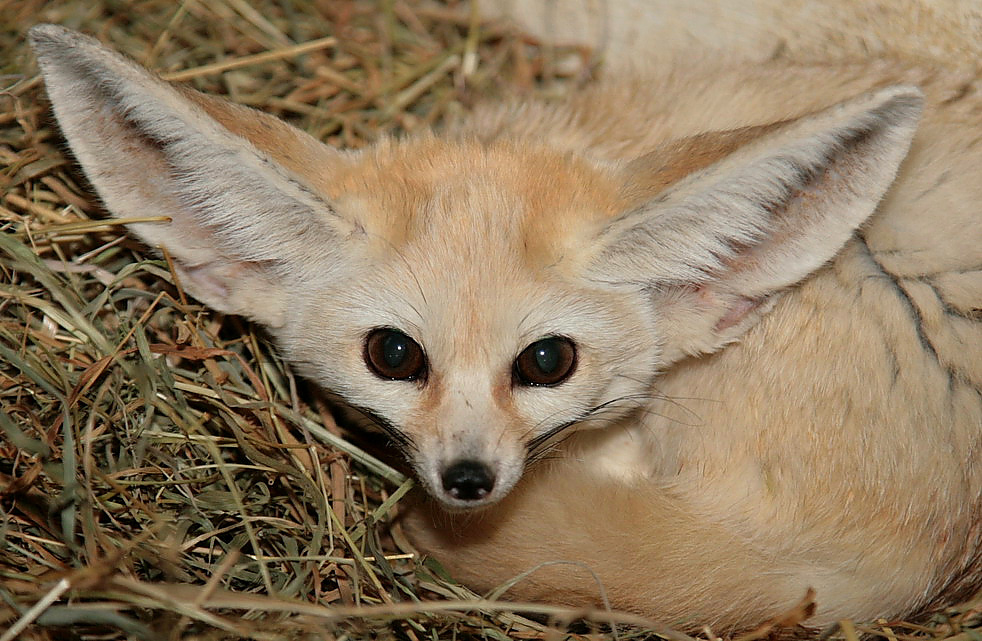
[546, 356]
[548, 361]
[394, 349]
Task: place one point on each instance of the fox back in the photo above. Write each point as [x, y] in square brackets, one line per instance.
[719, 327]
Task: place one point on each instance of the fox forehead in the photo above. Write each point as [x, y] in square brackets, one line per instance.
[466, 200]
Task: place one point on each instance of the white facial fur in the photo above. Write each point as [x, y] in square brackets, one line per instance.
[468, 407]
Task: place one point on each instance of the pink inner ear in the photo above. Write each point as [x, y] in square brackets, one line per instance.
[737, 312]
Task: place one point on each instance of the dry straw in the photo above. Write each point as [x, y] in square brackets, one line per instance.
[162, 474]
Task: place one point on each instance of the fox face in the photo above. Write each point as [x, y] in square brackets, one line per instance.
[476, 296]
[405, 328]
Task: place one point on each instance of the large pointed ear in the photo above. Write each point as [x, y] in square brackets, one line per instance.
[240, 187]
[716, 248]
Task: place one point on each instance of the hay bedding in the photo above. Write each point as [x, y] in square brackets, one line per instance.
[162, 474]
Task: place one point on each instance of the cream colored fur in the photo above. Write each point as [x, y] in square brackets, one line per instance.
[626, 34]
[773, 285]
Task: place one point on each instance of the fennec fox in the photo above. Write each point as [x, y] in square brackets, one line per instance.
[736, 310]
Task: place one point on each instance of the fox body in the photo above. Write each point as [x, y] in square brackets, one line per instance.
[736, 310]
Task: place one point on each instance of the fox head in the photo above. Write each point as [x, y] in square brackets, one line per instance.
[477, 299]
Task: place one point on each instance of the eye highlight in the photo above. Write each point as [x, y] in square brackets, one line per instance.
[546, 362]
[391, 354]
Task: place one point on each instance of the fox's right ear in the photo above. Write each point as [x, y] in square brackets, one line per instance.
[236, 183]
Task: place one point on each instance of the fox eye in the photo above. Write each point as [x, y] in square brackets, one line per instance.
[548, 361]
[391, 354]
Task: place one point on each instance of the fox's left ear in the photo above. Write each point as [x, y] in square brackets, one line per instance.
[716, 247]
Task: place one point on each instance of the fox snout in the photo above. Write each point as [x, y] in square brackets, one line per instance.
[468, 480]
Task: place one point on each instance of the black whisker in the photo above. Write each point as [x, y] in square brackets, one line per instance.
[545, 452]
[545, 436]
[545, 442]
[399, 438]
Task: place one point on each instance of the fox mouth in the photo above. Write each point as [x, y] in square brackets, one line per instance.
[470, 483]
[467, 484]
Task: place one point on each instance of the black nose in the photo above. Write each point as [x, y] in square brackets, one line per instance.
[468, 480]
